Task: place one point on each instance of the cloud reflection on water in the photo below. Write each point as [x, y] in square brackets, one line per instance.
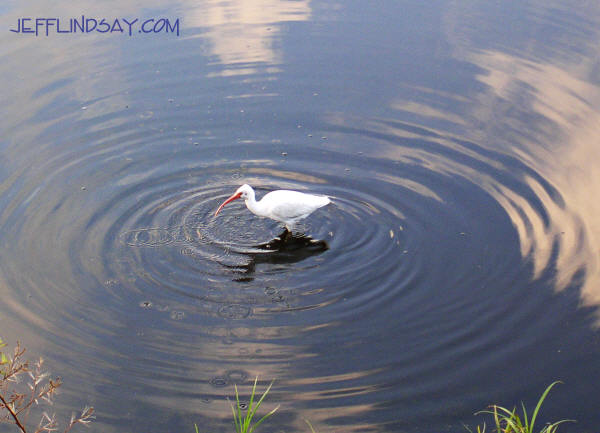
[539, 104]
[245, 32]
[562, 145]
[536, 106]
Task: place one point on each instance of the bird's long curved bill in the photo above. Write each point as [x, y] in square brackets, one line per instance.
[229, 200]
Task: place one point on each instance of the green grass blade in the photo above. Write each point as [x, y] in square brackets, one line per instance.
[513, 422]
[262, 419]
[508, 413]
[255, 408]
[517, 421]
[496, 419]
[196, 427]
[525, 418]
[264, 395]
[551, 428]
[540, 401]
[251, 408]
[241, 420]
[310, 426]
[237, 416]
[507, 421]
[243, 424]
[237, 428]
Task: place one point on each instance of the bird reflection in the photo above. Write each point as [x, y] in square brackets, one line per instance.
[286, 248]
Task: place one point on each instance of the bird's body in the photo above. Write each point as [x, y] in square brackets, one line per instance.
[282, 205]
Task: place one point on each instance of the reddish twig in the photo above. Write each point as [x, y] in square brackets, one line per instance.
[14, 415]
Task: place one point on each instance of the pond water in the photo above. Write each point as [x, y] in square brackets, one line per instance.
[457, 266]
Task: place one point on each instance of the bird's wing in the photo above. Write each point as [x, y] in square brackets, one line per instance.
[292, 204]
[287, 210]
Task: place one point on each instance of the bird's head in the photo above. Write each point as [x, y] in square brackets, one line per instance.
[244, 192]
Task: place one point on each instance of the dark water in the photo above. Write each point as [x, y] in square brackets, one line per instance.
[458, 265]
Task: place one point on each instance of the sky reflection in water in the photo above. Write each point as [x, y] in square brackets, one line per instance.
[457, 140]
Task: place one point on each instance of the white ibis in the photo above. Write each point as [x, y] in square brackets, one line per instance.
[282, 205]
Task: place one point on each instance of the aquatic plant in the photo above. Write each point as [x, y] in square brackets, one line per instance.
[16, 404]
[509, 421]
[243, 424]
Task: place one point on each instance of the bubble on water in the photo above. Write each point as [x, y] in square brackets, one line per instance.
[234, 311]
[236, 376]
[177, 315]
[146, 304]
[218, 382]
[181, 234]
[187, 251]
[278, 298]
[146, 237]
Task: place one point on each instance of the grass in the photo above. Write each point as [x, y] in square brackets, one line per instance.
[243, 424]
[505, 420]
[18, 397]
[509, 421]
[15, 404]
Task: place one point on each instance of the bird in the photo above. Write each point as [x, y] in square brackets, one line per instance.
[285, 206]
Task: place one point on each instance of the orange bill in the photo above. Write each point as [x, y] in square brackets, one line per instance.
[229, 200]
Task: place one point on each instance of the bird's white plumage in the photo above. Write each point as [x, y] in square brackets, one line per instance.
[285, 204]
[282, 205]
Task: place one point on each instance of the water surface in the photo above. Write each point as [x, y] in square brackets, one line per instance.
[456, 267]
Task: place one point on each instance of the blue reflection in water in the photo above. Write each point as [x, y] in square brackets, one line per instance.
[456, 267]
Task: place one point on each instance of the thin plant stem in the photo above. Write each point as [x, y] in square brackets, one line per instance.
[13, 414]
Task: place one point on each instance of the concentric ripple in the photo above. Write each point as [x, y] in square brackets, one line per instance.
[449, 262]
[408, 247]
[171, 241]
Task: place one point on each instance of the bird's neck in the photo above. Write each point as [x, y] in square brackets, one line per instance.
[254, 206]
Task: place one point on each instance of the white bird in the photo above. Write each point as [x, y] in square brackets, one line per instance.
[282, 205]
